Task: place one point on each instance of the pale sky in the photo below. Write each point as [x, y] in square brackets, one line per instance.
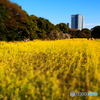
[58, 11]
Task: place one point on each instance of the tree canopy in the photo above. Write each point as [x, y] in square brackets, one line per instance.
[63, 27]
[95, 32]
[13, 21]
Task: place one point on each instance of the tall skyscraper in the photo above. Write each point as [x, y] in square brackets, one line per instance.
[77, 21]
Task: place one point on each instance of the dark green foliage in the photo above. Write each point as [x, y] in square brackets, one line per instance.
[95, 32]
[63, 27]
[41, 34]
[13, 21]
[3, 16]
[84, 33]
[45, 25]
[87, 32]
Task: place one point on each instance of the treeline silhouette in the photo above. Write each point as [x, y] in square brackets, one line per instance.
[16, 25]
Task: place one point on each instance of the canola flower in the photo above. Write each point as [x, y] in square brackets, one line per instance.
[49, 70]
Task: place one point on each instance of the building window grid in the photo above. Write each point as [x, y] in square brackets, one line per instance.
[77, 21]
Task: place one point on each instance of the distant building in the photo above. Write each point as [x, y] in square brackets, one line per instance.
[69, 25]
[77, 21]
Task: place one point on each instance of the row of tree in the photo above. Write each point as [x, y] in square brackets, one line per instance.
[16, 25]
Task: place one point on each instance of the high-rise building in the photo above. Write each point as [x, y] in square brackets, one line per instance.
[69, 25]
[77, 21]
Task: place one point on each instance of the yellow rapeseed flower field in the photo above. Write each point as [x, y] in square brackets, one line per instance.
[49, 70]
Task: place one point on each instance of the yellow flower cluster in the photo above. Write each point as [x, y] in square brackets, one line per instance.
[49, 70]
